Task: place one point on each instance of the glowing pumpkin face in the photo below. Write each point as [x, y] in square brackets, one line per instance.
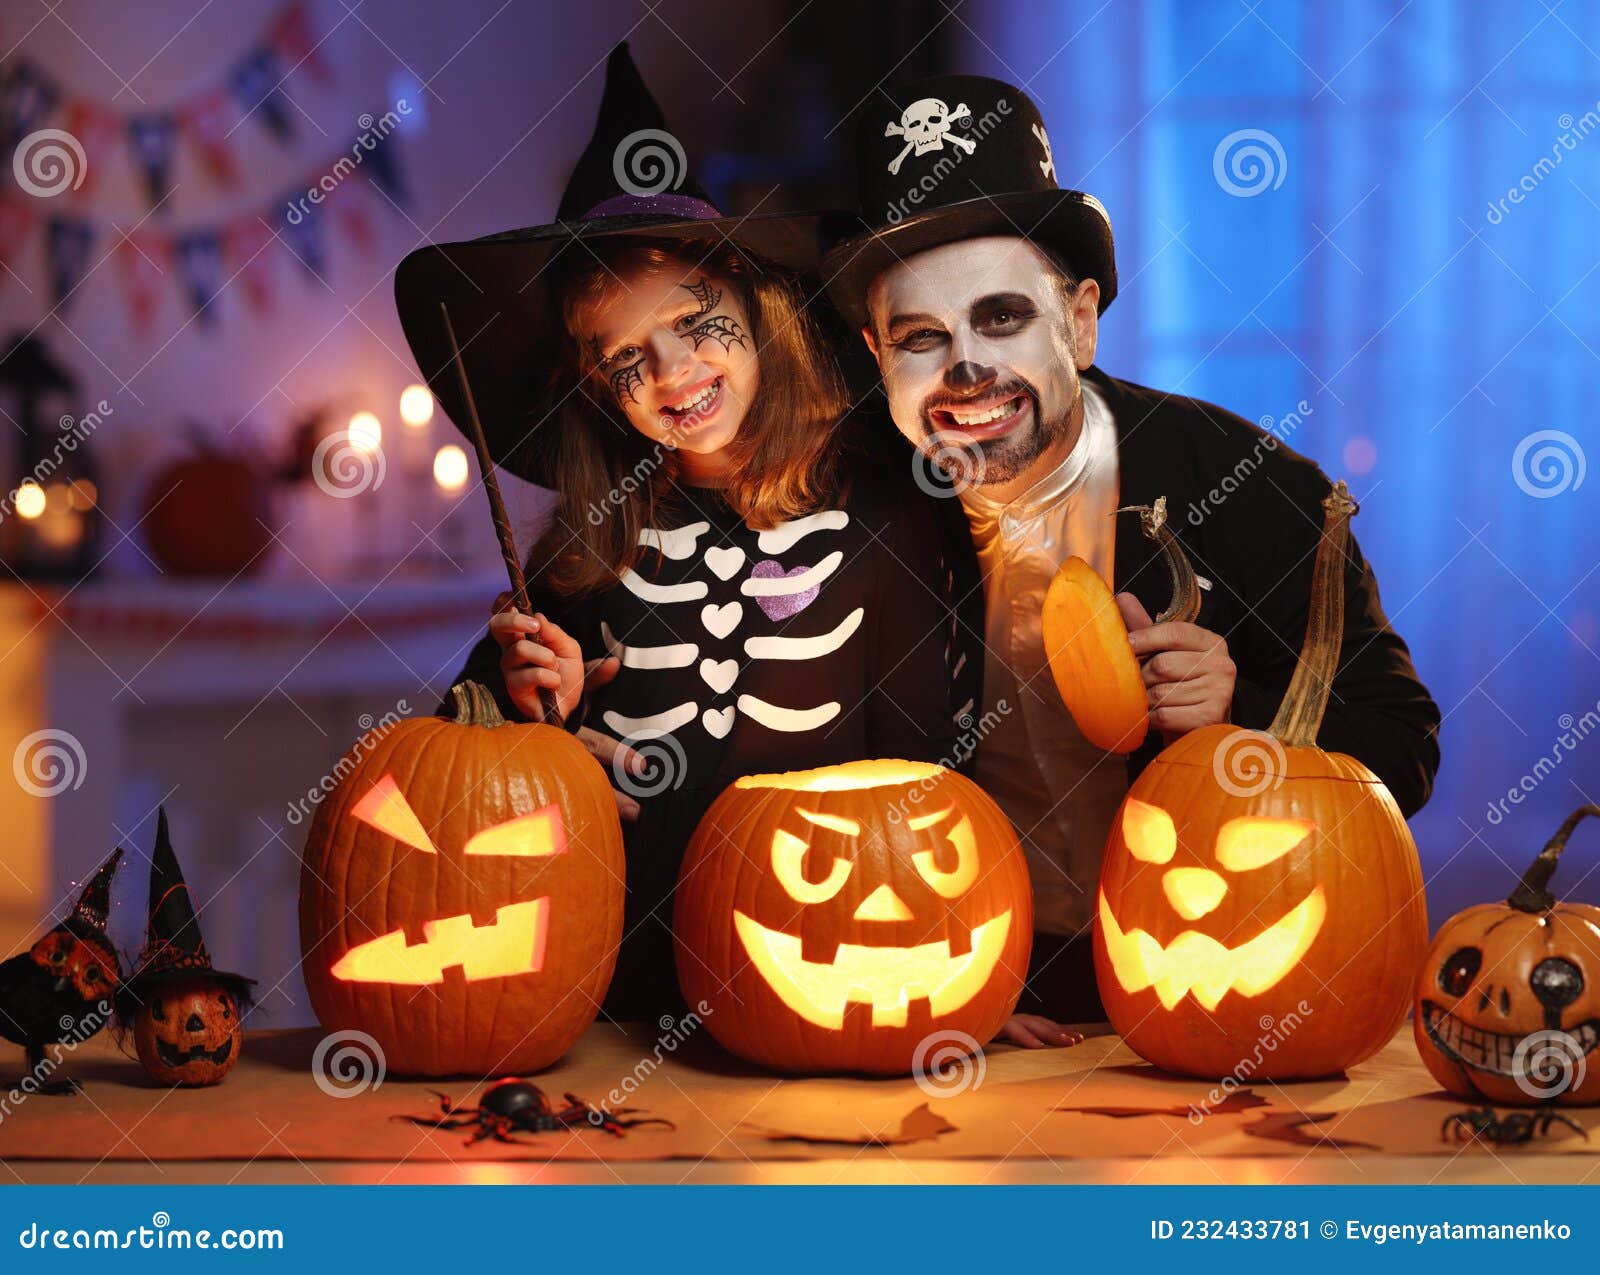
[835, 919]
[1219, 914]
[461, 898]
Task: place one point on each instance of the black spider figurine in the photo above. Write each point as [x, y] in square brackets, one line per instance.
[1515, 1127]
[515, 1106]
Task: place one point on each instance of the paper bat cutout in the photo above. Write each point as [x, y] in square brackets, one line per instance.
[919, 1125]
[1241, 1100]
[1294, 1127]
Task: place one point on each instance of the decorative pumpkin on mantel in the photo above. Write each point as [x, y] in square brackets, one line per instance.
[461, 893]
[1508, 1001]
[836, 920]
[1260, 899]
[1086, 642]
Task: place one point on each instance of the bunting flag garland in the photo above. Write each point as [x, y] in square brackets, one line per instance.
[16, 223]
[142, 262]
[257, 83]
[290, 34]
[199, 258]
[155, 137]
[204, 257]
[70, 241]
[247, 257]
[254, 88]
[26, 97]
[207, 123]
[302, 236]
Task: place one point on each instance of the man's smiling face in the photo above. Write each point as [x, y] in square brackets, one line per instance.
[980, 343]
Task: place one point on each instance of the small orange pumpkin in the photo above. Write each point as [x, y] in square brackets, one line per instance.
[1508, 1001]
[461, 893]
[1260, 899]
[187, 1033]
[837, 920]
[1086, 641]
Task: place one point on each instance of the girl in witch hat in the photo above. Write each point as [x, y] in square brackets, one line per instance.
[752, 589]
[60, 991]
[183, 1012]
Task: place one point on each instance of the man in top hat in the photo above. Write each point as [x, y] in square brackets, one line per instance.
[978, 284]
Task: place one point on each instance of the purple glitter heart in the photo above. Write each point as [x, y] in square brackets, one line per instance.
[781, 608]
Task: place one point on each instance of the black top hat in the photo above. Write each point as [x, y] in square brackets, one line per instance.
[93, 908]
[174, 949]
[632, 179]
[956, 157]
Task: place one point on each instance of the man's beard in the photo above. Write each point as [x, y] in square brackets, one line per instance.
[994, 460]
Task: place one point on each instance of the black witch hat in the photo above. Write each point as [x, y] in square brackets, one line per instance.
[174, 949]
[632, 179]
[92, 911]
[957, 157]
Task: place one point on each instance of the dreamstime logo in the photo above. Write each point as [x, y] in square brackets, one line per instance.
[948, 468]
[1574, 730]
[1248, 763]
[48, 162]
[674, 1031]
[1248, 162]
[348, 1063]
[664, 766]
[372, 730]
[1274, 1031]
[1547, 463]
[1547, 1064]
[342, 469]
[49, 762]
[648, 162]
[947, 1063]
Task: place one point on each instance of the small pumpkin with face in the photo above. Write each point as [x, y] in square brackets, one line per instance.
[833, 920]
[189, 1032]
[461, 893]
[1261, 899]
[183, 1012]
[1508, 1001]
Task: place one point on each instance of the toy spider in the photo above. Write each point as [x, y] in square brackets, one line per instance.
[1517, 1126]
[515, 1106]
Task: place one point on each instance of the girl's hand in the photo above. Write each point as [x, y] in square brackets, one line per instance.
[535, 654]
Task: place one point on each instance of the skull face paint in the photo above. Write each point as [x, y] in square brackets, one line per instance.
[980, 348]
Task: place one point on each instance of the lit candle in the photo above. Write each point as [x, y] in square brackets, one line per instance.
[416, 406]
[30, 500]
[450, 468]
[365, 432]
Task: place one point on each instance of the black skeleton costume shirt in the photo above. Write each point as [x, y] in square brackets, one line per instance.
[822, 640]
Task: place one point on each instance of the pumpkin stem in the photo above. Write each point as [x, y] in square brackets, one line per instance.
[1304, 703]
[1532, 893]
[1185, 605]
[472, 704]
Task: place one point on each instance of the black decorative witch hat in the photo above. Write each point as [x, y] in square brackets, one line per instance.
[92, 911]
[174, 949]
[957, 157]
[632, 179]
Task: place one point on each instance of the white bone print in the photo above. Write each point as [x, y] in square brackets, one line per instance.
[651, 727]
[673, 655]
[782, 586]
[804, 648]
[676, 543]
[790, 720]
[719, 675]
[1047, 165]
[718, 722]
[691, 591]
[787, 534]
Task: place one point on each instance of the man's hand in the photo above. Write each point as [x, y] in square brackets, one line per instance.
[1187, 673]
[1034, 1031]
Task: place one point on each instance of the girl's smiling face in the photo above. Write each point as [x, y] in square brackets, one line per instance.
[672, 347]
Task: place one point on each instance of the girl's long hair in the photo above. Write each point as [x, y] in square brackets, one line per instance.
[613, 481]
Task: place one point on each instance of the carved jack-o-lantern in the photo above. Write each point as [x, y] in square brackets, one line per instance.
[1508, 1001]
[187, 1033]
[836, 919]
[461, 894]
[1230, 895]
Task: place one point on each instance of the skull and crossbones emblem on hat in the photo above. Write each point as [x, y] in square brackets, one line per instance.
[925, 125]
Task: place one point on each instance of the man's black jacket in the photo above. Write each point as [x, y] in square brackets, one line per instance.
[1247, 510]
